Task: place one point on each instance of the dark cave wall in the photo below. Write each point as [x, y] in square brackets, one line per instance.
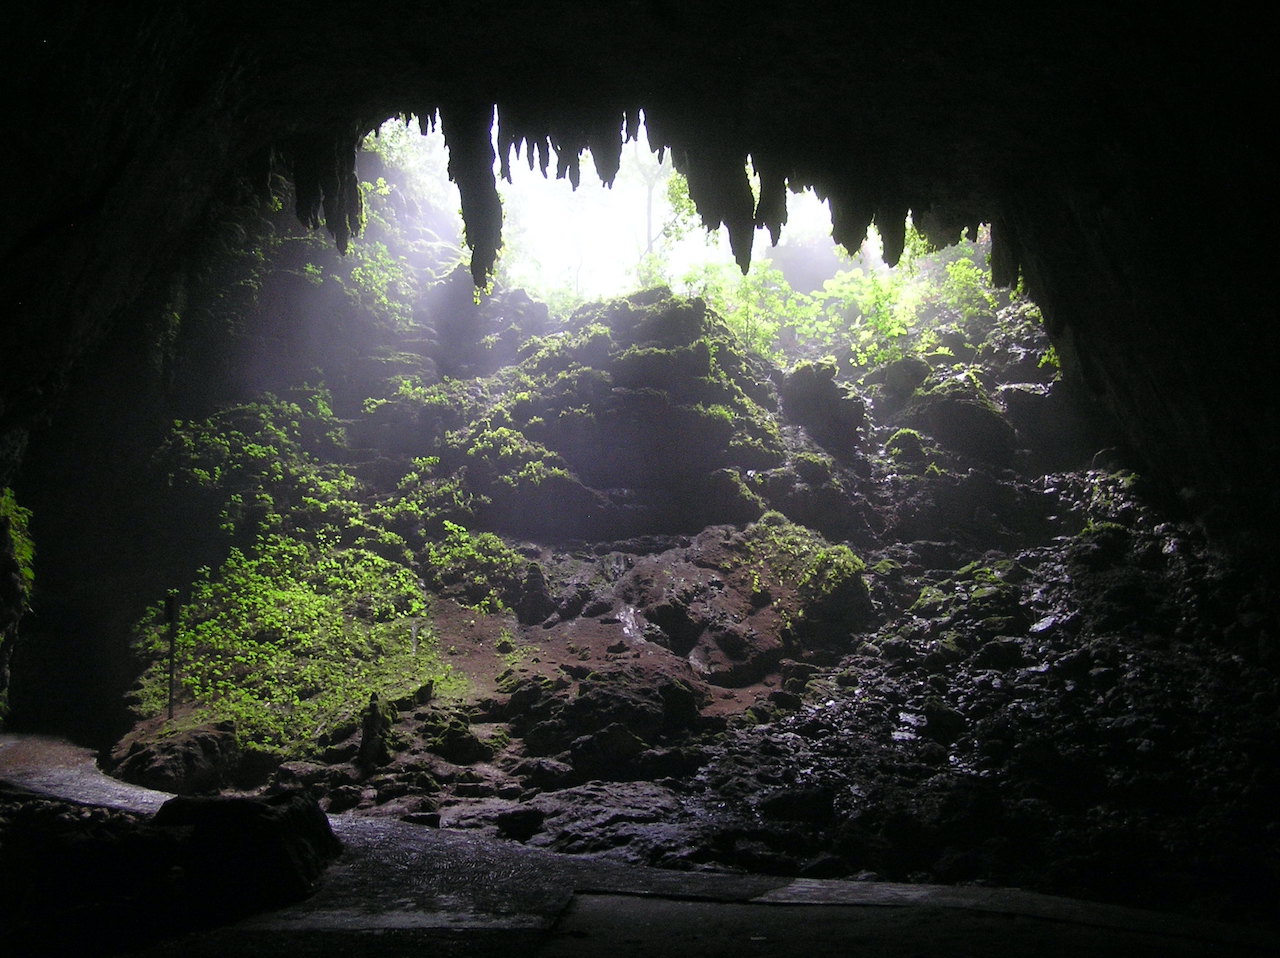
[1113, 150]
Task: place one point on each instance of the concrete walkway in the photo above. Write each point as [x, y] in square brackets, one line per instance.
[401, 889]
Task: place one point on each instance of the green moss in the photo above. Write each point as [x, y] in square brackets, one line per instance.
[813, 468]
[907, 445]
[831, 595]
[679, 370]
[932, 601]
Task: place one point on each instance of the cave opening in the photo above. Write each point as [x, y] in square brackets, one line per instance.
[653, 559]
[821, 572]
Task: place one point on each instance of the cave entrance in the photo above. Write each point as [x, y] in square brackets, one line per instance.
[571, 238]
[808, 571]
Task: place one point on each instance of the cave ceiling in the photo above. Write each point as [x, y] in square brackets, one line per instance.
[1100, 143]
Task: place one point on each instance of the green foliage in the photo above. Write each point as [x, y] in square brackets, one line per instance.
[17, 555]
[15, 528]
[863, 312]
[798, 557]
[833, 573]
[482, 570]
[875, 310]
[289, 637]
[1051, 359]
[967, 289]
[264, 460]
[381, 284]
[866, 314]
[755, 306]
[425, 501]
[502, 454]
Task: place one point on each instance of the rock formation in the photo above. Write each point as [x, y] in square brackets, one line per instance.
[1101, 145]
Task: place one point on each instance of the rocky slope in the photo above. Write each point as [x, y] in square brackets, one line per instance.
[907, 621]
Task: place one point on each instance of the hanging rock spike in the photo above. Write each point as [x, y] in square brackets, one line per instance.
[721, 192]
[326, 188]
[605, 145]
[466, 129]
[849, 222]
[771, 210]
[1005, 263]
[891, 223]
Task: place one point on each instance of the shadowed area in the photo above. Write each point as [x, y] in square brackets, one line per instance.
[941, 558]
[398, 887]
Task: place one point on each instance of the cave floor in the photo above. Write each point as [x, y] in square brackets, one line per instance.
[402, 889]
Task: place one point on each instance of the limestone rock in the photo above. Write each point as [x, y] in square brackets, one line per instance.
[251, 853]
[199, 760]
[811, 397]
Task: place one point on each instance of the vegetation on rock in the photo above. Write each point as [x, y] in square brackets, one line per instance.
[17, 577]
[808, 580]
[351, 494]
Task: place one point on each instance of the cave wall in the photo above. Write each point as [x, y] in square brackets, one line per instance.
[1116, 154]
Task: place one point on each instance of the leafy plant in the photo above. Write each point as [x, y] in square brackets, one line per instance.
[479, 567]
[17, 560]
[288, 638]
[794, 556]
[15, 539]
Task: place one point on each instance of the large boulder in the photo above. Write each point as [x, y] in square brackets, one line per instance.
[85, 880]
[963, 420]
[812, 398]
[201, 759]
[243, 854]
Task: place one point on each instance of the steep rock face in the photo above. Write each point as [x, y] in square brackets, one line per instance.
[1095, 142]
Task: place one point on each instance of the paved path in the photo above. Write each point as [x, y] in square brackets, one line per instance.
[401, 889]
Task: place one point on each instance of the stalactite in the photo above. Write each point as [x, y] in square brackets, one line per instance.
[850, 220]
[305, 156]
[932, 223]
[568, 142]
[466, 127]
[507, 144]
[426, 121]
[326, 189]
[344, 216]
[568, 163]
[891, 224]
[721, 192]
[521, 129]
[631, 124]
[1005, 261]
[544, 153]
[945, 220]
[605, 144]
[771, 210]
[509, 139]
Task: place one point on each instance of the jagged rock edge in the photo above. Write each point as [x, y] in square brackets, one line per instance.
[322, 167]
